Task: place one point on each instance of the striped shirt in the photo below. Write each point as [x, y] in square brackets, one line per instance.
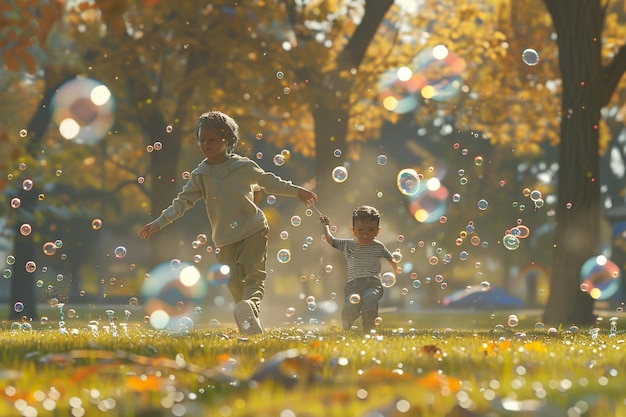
[362, 261]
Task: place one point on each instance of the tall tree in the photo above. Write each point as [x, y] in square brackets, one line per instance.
[588, 85]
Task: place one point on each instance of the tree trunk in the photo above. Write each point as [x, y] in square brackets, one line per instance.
[578, 26]
[164, 174]
[22, 281]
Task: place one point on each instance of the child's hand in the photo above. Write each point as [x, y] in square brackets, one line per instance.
[324, 220]
[148, 230]
[307, 197]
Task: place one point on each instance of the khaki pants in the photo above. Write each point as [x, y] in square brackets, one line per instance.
[246, 260]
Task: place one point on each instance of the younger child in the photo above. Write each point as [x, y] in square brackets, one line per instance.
[227, 183]
[363, 289]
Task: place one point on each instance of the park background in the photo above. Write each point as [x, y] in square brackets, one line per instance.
[508, 114]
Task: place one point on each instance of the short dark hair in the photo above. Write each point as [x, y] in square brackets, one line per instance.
[366, 214]
[220, 123]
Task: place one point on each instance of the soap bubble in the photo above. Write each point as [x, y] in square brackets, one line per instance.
[279, 160]
[599, 276]
[283, 256]
[83, 109]
[96, 224]
[388, 279]
[510, 241]
[530, 57]
[408, 181]
[381, 159]
[218, 274]
[296, 221]
[354, 298]
[31, 266]
[25, 229]
[166, 297]
[120, 252]
[340, 174]
[49, 248]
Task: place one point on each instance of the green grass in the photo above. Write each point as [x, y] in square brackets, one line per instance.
[478, 367]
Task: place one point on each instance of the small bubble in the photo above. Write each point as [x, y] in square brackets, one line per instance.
[16, 202]
[283, 256]
[530, 57]
[354, 299]
[96, 224]
[120, 252]
[158, 146]
[23, 133]
[340, 174]
[296, 221]
[279, 160]
[259, 136]
[25, 229]
[280, 75]
[27, 184]
[49, 248]
[31, 266]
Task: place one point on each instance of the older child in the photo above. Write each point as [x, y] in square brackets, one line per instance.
[227, 183]
[363, 289]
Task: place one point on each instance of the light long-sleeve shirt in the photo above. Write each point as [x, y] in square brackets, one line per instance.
[228, 192]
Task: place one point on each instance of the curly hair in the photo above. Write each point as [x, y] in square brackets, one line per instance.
[366, 214]
[220, 123]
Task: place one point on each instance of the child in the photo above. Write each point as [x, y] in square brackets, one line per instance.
[227, 183]
[362, 256]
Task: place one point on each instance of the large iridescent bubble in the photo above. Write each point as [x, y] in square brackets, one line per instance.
[172, 291]
[408, 181]
[441, 70]
[435, 74]
[429, 203]
[83, 109]
[599, 277]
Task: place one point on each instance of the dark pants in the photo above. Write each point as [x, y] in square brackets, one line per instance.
[370, 292]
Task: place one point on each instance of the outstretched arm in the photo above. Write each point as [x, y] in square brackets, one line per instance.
[326, 222]
[307, 197]
[396, 268]
[148, 230]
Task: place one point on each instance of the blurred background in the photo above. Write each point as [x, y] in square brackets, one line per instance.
[445, 115]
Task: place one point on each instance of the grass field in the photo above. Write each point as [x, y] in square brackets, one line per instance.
[431, 364]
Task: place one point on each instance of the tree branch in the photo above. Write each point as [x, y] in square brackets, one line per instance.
[612, 73]
[353, 53]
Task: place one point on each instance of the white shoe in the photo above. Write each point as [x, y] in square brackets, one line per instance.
[246, 318]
